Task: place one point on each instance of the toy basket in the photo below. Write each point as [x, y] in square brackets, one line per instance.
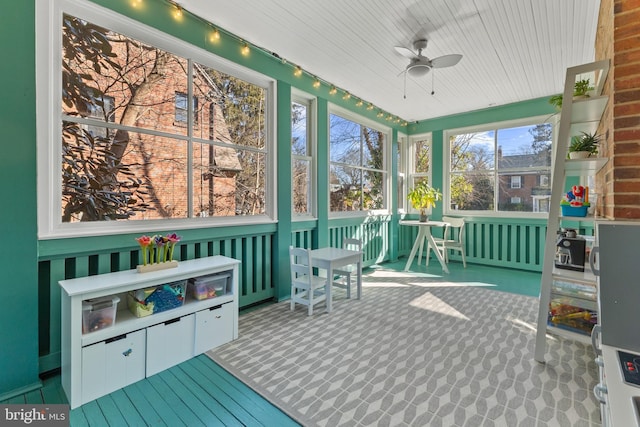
[144, 302]
[568, 210]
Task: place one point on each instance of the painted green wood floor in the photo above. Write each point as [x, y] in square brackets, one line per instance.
[197, 392]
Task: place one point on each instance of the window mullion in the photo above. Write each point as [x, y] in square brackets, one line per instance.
[190, 121]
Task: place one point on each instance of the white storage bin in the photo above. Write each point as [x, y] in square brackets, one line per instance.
[169, 343]
[112, 364]
[214, 327]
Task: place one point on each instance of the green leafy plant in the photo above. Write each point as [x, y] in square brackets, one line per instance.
[556, 101]
[586, 142]
[582, 87]
[423, 196]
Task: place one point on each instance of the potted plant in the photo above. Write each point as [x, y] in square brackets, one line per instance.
[581, 89]
[556, 101]
[422, 197]
[583, 146]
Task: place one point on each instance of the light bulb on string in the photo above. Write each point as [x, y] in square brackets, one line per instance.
[245, 50]
[214, 35]
[297, 71]
[177, 12]
[333, 90]
[316, 83]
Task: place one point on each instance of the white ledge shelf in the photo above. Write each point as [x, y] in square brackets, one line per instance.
[588, 166]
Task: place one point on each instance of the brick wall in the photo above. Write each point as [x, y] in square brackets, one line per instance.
[618, 39]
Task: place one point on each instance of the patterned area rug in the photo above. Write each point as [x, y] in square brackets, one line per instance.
[413, 352]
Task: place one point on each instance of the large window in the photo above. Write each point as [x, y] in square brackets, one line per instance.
[418, 164]
[501, 168]
[302, 152]
[357, 175]
[131, 146]
[401, 156]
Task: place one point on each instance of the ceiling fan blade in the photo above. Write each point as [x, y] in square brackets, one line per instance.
[446, 61]
[408, 53]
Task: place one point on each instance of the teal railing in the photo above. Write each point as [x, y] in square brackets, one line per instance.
[513, 244]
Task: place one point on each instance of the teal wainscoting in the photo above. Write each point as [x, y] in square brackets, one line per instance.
[502, 242]
[71, 258]
[373, 231]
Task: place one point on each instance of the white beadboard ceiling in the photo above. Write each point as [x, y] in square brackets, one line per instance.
[513, 50]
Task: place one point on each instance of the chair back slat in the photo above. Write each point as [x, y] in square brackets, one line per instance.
[299, 261]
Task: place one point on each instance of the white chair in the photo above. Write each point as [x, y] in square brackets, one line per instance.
[453, 239]
[344, 273]
[306, 288]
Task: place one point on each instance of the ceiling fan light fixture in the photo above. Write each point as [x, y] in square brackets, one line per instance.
[418, 70]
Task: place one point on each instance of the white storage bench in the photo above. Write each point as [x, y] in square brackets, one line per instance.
[131, 348]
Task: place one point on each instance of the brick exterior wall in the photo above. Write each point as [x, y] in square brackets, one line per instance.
[618, 39]
[162, 162]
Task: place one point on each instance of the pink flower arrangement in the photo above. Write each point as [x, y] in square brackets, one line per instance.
[157, 249]
[145, 242]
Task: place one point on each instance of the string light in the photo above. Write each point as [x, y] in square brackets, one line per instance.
[215, 36]
[177, 12]
[136, 3]
[245, 49]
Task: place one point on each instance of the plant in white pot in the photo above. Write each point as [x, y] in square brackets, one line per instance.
[581, 89]
[422, 197]
[583, 146]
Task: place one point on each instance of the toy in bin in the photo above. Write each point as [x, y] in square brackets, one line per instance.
[99, 313]
[571, 317]
[576, 201]
[144, 302]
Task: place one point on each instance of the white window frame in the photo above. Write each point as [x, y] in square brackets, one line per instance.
[412, 175]
[516, 183]
[403, 172]
[312, 132]
[527, 121]
[350, 115]
[545, 180]
[49, 112]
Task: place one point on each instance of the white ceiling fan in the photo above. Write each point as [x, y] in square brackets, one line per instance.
[420, 65]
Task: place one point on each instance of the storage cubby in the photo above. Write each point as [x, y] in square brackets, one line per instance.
[99, 360]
